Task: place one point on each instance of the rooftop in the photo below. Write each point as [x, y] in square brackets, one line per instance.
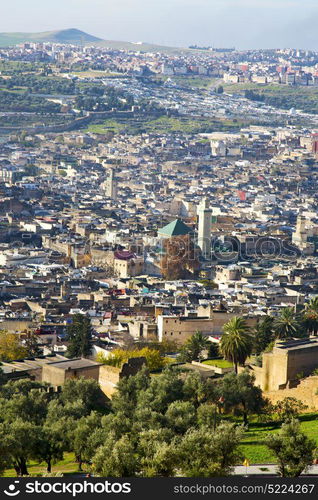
[175, 228]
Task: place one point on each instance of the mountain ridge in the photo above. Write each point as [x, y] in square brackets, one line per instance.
[74, 36]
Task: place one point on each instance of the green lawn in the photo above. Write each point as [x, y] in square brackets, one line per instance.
[198, 82]
[280, 96]
[220, 363]
[15, 90]
[165, 124]
[92, 73]
[67, 466]
[253, 445]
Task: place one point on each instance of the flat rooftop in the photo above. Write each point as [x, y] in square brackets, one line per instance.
[295, 345]
[74, 364]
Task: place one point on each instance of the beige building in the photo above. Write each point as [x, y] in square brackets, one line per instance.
[125, 268]
[181, 328]
[288, 361]
[56, 374]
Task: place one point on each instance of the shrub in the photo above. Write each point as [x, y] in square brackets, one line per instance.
[120, 356]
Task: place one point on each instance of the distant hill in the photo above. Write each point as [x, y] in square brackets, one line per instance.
[71, 36]
[77, 37]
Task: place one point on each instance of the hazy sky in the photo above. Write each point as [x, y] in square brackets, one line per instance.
[221, 23]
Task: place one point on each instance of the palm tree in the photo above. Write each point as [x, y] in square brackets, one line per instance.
[236, 342]
[263, 334]
[310, 316]
[287, 325]
[192, 349]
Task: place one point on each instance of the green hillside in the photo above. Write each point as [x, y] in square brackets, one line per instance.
[72, 36]
[76, 37]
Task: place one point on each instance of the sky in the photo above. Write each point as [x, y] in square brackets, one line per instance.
[219, 23]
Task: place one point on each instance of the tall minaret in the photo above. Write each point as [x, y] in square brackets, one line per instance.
[111, 185]
[205, 226]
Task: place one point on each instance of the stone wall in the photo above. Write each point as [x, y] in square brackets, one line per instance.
[306, 392]
[281, 367]
[108, 379]
[109, 376]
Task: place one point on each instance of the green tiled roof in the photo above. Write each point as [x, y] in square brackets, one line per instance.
[175, 228]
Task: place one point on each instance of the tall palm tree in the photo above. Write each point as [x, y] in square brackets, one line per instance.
[236, 342]
[310, 316]
[287, 325]
[263, 334]
[192, 349]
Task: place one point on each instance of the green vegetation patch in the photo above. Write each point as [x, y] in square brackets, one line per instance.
[279, 96]
[254, 441]
[220, 363]
[164, 124]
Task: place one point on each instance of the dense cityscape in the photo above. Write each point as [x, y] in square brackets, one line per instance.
[158, 260]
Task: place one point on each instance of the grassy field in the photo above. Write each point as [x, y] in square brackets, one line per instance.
[220, 363]
[253, 445]
[198, 82]
[91, 73]
[280, 96]
[164, 125]
[15, 90]
[67, 466]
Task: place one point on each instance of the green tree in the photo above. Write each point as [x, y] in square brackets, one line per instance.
[22, 386]
[207, 415]
[240, 393]
[289, 408]
[10, 347]
[204, 454]
[193, 348]
[79, 336]
[263, 334]
[180, 415]
[115, 458]
[156, 452]
[195, 389]
[86, 391]
[18, 441]
[120, 356]
[82, 433]
[31, 345]
[162, 391]
[236, 342]
[293, 449]
[128, 391]
[310, 316]
[2, 378]
[287, 325]
[48, 446]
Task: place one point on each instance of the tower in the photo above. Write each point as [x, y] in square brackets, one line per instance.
[301, 233]
[204, 229]
[111, 185]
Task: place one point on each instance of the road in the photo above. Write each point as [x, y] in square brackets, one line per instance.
[266, 470]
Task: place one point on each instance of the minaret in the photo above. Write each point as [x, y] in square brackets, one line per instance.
[301, 233]
[205, 226]
[111, 185]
